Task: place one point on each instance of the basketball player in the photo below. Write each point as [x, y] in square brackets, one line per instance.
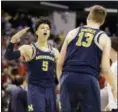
[112, 103]
[86, 51]
[41, 60]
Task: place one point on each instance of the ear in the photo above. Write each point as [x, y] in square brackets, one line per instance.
[102, 23]
[36, 32]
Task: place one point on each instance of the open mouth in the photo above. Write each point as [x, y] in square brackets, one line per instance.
[44, 33]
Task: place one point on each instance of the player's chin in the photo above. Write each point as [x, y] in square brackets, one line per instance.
[46, 36]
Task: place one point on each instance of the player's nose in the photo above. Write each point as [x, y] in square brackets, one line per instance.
[45, 30]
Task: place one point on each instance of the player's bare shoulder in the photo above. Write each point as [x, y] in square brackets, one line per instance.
[104, 40]
[26, 51]
[72, 34]
[25, 48]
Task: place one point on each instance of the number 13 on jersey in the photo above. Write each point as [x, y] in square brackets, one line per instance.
[87, 42]
[45, 66]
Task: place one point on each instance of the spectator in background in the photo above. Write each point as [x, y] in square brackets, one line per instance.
[114, 35]
[22, 69]
[5, 101]
[8, 28]
[3, 47]
[107, 31]
[57, 43]
[14, 75]
[61, 36]
[4, 76]
[19, 97]
[51, 40]
[28, 21]
[11, 82]
[81, 24]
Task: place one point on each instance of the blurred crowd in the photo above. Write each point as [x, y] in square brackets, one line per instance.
[13, 73]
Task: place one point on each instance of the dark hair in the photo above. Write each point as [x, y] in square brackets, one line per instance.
[19, 80]
[114, 43]
[14, 71]
[42, 21]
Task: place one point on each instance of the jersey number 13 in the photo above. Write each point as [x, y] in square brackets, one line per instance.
[87, 42]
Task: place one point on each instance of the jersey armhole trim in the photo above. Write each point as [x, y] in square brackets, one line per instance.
[52, 50]
[96, 40]
[33, 52]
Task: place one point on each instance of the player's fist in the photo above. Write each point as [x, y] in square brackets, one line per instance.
[17, 36]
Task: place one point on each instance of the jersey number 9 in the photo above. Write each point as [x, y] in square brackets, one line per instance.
[45, 66]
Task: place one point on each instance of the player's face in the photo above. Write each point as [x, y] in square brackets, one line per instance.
[43, 31]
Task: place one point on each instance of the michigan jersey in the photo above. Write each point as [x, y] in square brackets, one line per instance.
[41, 69]
[83, 53]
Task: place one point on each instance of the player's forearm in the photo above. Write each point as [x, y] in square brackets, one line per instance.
[60, 64]
[10, 54]
[18, 35]
[15, 37]
[59, 71]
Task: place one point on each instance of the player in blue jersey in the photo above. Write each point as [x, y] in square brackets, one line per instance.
[84, 54]
[41, 62]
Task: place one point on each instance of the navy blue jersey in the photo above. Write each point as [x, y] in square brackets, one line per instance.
[83, 55]
[42, 67]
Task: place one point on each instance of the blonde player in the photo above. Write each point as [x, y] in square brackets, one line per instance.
[84, 51]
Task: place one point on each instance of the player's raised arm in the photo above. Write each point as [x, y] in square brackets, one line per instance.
[105, 63]
[10, 54]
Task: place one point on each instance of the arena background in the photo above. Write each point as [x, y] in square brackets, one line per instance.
[64, 16]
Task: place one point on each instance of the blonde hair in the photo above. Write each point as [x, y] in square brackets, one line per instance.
[97, 14]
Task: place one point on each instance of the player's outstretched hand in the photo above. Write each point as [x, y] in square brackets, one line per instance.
[19, 34]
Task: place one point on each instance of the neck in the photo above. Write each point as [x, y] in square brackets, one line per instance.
[42, 43]
[93, 25]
